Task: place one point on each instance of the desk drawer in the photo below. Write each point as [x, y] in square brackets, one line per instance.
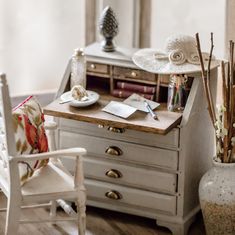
[119, 195]
[97, 68]
[169, 141]
[133, 176]
[121, 151]
[120, 72]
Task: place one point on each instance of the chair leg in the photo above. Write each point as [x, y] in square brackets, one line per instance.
[13, 217]
[81, 219]
[53, 209]
[81, 213]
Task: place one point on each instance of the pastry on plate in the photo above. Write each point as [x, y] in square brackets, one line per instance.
[79, 93]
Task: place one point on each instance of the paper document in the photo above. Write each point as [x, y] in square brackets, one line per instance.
[119, 109]
[137, 102]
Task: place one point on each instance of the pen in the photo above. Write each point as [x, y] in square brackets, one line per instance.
[154, 115]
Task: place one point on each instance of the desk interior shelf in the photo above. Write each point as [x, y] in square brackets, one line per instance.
[106, 71]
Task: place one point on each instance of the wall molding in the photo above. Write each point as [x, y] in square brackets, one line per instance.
[90, 21]
[230, 24]
[145, 23]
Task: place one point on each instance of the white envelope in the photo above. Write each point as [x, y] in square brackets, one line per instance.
[137, 101]
[119, 109]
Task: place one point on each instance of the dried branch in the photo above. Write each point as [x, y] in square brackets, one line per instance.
[210, 57]
[233, 134]
[228, 92]
[225, 121]
[224, 85]
[200, 55]
[209, 76]
[231, 98]
[204, 79]
[232, 95]
[228, 80]
[231, 49]
[224, 124]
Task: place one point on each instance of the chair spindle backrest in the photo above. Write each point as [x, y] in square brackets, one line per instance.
[7, 116]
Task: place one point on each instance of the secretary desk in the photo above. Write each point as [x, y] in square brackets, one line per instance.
[138, 165]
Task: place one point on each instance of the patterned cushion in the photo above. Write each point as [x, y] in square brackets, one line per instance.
[30, 135]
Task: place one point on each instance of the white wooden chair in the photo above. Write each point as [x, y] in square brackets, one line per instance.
[54, 181]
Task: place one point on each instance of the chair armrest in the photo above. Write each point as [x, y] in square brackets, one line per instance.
[50, 125]
[64, 153]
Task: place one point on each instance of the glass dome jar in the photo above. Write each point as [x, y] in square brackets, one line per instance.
[78, 69]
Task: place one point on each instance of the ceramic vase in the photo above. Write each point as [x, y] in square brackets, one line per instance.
[217, 199]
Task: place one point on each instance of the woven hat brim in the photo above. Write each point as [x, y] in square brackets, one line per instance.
[145, 59]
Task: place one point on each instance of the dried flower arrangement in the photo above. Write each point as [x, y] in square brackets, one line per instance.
[224, 120]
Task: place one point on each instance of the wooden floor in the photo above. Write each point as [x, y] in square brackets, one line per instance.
[99, 222]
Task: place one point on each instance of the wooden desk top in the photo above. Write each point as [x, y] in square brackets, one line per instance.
[139, 121]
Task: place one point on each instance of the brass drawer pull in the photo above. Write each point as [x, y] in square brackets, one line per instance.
[133, 74]
[115, 195]
[114, 174]
[92, 66]
[116, 130]
[113, 150]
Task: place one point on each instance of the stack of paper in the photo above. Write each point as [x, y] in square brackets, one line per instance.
[129, 106]
[137, 101]
[119, 109]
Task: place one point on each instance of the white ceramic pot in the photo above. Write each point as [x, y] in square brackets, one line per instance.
[217, 199]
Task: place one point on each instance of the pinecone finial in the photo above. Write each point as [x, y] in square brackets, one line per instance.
[108, 27]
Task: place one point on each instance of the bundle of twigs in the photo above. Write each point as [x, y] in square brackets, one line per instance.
[223, 122]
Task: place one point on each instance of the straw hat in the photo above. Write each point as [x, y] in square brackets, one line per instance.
[180, 57]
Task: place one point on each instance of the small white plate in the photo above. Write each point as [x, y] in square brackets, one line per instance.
[92, 98]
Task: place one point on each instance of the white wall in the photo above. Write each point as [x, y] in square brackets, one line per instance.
[189, 17]
[37, 38]
[230, 32]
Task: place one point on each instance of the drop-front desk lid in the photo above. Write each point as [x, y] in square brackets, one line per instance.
[139, 121]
